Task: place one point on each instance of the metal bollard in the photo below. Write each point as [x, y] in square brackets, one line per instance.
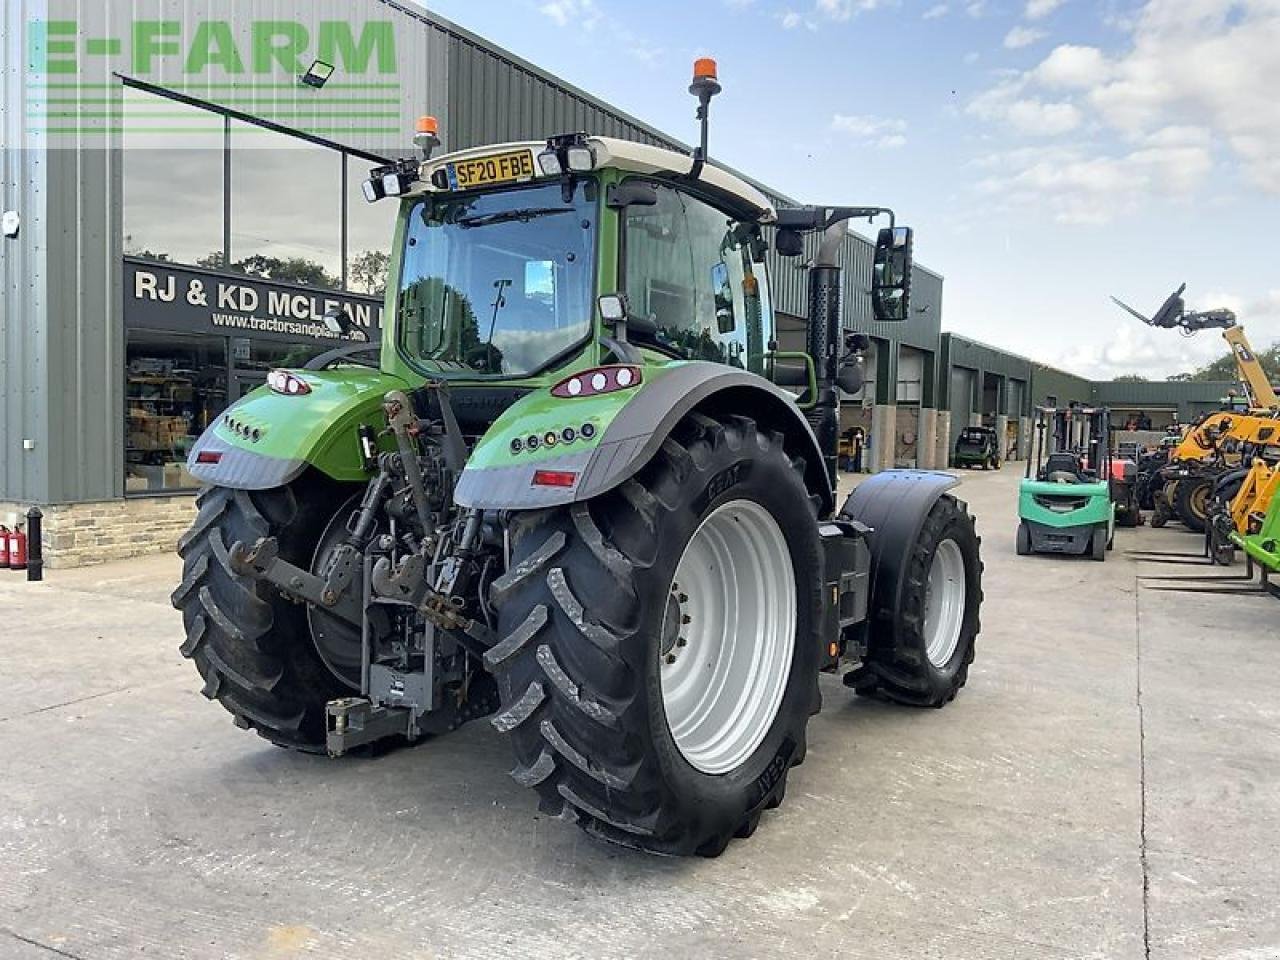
[35, 545]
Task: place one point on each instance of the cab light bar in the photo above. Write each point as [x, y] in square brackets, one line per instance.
[591, 383]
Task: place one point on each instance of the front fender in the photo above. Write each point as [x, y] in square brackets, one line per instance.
[627, 427]
[895, 504]
[267, 439]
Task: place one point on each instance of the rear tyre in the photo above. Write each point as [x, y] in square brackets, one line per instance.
[659, 654]
[920, 653]
[252, 647]
[1191, 502]
[1022, 541]
[1098, 543]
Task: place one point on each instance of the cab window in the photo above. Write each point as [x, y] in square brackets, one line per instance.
[690, 269]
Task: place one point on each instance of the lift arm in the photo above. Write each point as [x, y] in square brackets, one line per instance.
[1261, 395]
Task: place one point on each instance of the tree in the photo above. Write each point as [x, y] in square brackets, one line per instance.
[291, 270]
[1224, 368]
[1131, 378]
[368, 272]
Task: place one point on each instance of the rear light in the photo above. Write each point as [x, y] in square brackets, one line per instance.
[282, 381]
[209, 456]
[590, 383]
[554, 478]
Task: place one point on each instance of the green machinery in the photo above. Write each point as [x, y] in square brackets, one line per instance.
[977, 447]
[1065, 501]
[579, 492]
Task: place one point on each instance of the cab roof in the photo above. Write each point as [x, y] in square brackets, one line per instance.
[630, 156]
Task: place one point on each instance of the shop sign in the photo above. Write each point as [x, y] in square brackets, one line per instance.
[158, 296]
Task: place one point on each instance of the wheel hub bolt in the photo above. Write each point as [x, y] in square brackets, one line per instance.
[680, 643]
[671, 658]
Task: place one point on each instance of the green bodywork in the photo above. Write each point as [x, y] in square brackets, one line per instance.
[319, 428]
[1263, 547]
[1096, 509]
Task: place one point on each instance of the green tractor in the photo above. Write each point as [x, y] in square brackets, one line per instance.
[1065, 502]
[580, 493]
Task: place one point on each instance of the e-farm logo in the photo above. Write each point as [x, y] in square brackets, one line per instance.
[79, 70]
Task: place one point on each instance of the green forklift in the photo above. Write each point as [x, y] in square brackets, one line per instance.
[1065, 501]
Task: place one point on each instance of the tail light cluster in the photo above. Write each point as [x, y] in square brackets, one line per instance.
[282, 381]
[591, 383]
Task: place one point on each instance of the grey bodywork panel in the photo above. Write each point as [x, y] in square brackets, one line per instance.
[637, 432]
[241, 469]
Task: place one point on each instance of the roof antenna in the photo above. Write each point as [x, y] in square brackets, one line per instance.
[704, 87]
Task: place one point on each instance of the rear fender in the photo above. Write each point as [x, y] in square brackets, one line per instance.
[266, 439]
[628, 427]
[895, 504]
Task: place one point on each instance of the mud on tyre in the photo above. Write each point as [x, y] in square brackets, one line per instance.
[599, 615]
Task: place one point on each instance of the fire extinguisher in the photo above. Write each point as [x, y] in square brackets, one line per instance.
[17, 549]
[4, 547]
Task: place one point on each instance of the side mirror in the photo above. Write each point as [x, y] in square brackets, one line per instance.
[723, 293]
[891, 274]
[613, 307]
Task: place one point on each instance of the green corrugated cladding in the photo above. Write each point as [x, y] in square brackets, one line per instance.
[1190, 398]
[958, 351]
[1047, 381]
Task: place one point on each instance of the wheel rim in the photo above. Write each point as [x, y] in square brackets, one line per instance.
[728, 636]
[1199, 500]
[944, 603]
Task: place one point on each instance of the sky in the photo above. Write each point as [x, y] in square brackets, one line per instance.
[1049, 153]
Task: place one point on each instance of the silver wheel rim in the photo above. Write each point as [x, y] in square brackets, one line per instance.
[944, 603]
[728, 636]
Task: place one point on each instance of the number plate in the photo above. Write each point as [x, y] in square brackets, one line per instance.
[482, 171]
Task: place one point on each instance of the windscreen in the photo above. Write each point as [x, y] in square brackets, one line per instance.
[497, 284]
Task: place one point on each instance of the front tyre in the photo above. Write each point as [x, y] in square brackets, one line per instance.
[919, 654]
[1191, 502]
[659, 654]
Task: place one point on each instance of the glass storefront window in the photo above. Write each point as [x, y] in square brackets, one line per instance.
[369, 233]
[173, 207]
[286, 208]
[174, 387]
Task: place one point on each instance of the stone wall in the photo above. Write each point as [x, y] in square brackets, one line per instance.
[78, 534]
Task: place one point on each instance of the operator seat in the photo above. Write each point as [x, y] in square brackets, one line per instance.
[1062, 468]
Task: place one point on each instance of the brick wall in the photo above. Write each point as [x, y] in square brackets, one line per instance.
[78, 534]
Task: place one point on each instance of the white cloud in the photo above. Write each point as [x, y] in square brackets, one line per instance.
[847, 9]
[563, 12]
[936, 11]
[1071, 67]
[1021, 36]
[1206, 62]
[972, 57]
[1040, 119]
[976, 9]
[892, 142]
[1086, 184]
[1008, 103]
[1037, 9]
[1134, 348]
[867, 126]
[790, 19]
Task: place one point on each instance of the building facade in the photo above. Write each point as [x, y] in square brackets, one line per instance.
[189, 205]
[189, 208]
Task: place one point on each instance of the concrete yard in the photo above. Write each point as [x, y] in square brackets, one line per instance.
[1107, 786]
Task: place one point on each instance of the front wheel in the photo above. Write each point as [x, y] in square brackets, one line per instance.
[659, 654]
[919, 653]
[1098, 543]
[1191, 502]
